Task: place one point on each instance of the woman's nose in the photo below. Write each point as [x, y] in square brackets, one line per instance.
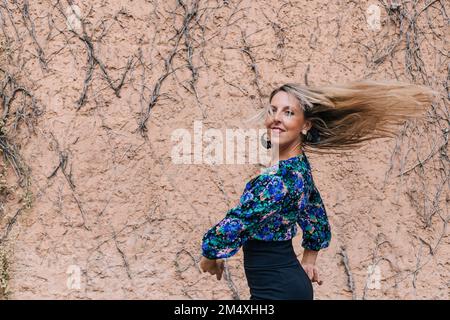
[276, 117]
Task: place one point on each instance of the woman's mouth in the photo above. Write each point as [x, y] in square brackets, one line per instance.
[277, 130]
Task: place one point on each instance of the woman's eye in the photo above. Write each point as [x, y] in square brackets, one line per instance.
[289, 113]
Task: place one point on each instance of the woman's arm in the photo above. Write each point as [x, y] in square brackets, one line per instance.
[264, 197]
[309, 256]
[316, 233]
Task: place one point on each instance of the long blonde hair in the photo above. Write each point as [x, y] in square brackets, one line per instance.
[343, 116]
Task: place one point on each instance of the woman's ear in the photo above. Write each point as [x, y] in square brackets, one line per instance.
[308, 125]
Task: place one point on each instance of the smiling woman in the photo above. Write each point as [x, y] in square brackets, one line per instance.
[275, 202]
[264, 222]
[286, 121]
[343, 116]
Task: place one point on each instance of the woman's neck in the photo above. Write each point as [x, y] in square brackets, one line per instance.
[285, 153]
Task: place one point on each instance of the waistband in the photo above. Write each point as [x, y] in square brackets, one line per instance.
[267, 254]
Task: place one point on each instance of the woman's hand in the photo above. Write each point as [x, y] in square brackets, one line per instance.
[313, 273]
[309, 265]
[213, 266]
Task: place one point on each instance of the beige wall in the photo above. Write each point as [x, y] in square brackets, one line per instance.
[133, 220]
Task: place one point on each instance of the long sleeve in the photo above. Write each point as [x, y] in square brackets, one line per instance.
[262, 197]
[314, 223]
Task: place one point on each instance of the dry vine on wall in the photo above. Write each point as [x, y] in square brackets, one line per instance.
[170, 67]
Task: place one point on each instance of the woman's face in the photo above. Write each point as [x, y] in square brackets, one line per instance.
[285, 120]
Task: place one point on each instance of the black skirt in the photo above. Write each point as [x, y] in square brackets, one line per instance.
[273, 271]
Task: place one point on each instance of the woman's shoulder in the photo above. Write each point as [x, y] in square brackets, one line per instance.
[293, 171]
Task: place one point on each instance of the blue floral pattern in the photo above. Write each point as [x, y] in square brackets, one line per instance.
[269, 209]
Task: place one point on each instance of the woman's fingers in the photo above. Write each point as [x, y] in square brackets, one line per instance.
[216, 269]
[219, 274]
[309, 272]
[220, 267]
[316, 276]
[206, 264]
[310, 275]
[212, 271]
[313, 273]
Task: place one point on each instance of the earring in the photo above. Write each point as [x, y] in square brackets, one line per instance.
[265, 142]
[304, 131]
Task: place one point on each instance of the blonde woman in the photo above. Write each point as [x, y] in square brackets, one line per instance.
[300, 118]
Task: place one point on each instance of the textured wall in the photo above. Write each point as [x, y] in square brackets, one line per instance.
[98, 100]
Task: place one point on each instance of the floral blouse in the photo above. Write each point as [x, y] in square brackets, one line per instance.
[269, 209]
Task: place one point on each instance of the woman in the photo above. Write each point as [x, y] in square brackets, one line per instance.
[264, 222]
